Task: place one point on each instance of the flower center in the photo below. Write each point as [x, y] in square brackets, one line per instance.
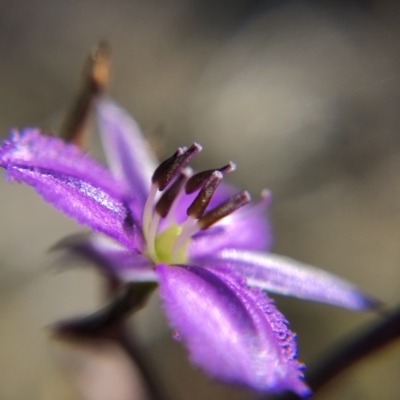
[164, 246]
[168, 241]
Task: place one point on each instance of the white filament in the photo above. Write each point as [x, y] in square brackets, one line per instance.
[152, 234]
[189, 228]
[148, 211]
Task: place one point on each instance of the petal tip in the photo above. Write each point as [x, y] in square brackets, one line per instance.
[370, 303]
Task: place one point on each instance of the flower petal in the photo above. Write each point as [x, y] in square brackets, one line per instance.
[72, 182]
[129, 157]
[289, 277]
[235, 334]
[111, 258]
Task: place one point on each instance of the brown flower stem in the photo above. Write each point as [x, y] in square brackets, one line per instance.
[95, 80]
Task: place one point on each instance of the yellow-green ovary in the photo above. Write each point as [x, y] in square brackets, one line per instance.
[164, 246]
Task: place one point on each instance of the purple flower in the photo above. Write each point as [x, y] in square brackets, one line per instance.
[206, 246]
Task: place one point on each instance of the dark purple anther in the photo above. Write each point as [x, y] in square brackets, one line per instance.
[197, 181]
[199, 205]
[165, 203]
[235, 202]
[169, 168]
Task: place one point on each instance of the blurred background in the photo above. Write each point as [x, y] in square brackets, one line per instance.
[303, 95]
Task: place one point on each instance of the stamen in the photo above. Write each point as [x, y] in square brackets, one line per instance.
[148, 210]
[152, 235]
[261, 206]
[235, 202]
[172, 212]
[161, 168]
[169, 168]
[198, 180]
[266, 198]
[163, 205]
[189, 228]
[231, 166]
[200, 203]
